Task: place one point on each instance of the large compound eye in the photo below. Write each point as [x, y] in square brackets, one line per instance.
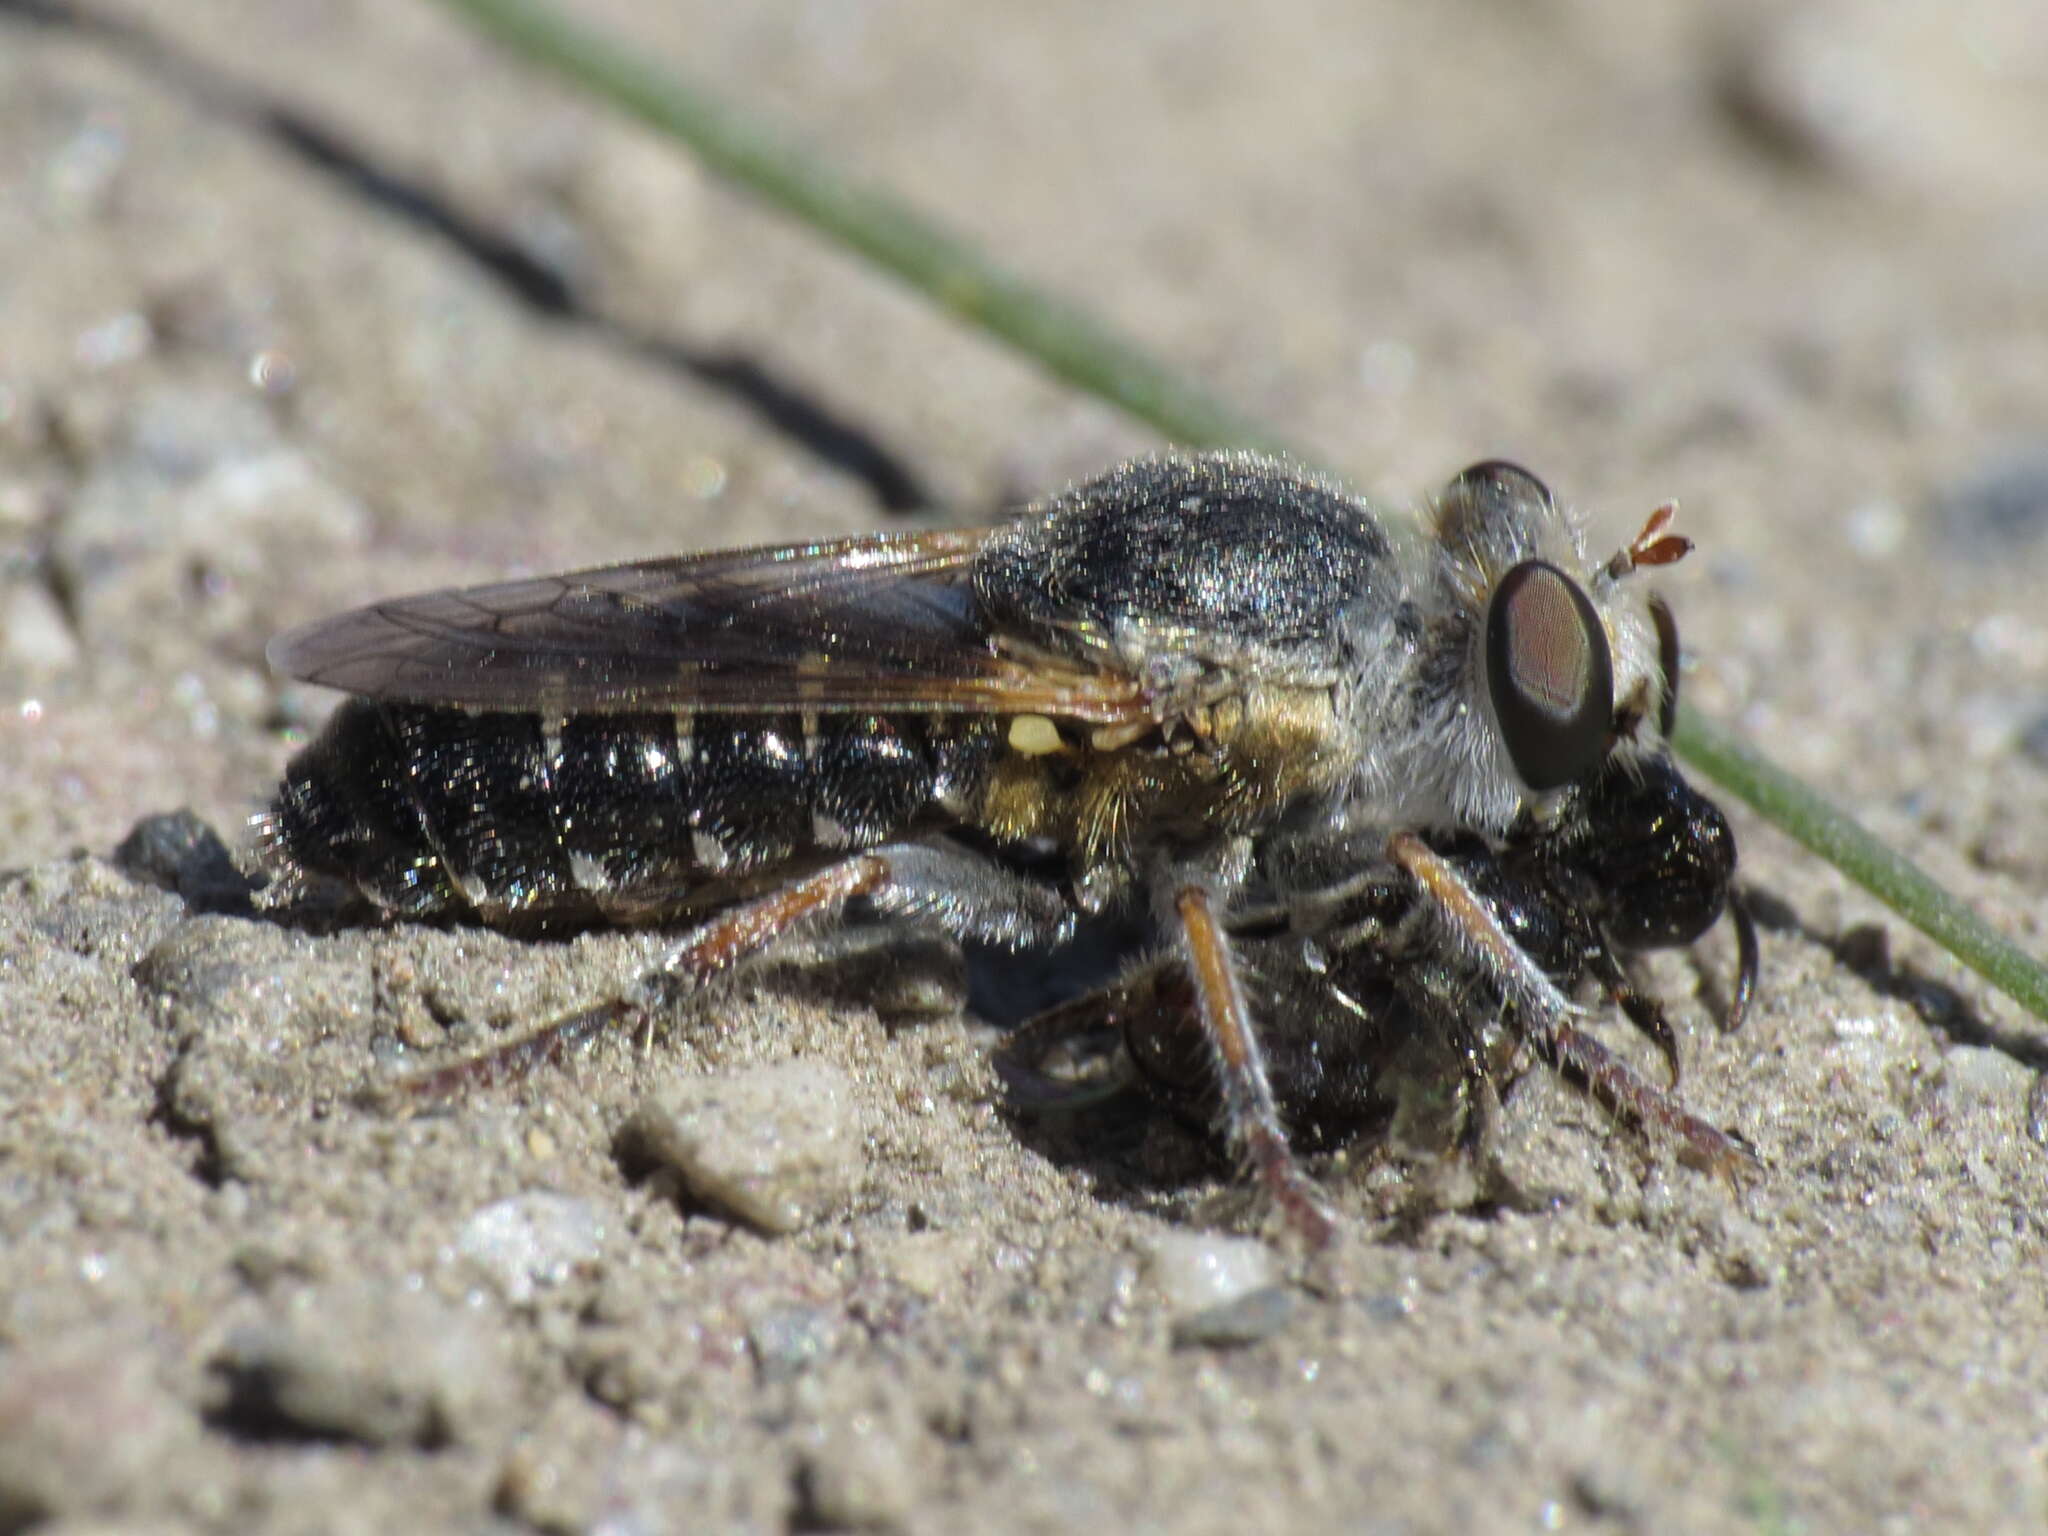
[1551, 677]
[1502, 478]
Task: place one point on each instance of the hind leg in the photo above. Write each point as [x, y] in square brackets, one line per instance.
[966, 895]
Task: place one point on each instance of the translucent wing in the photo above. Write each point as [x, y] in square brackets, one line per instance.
[883, 622]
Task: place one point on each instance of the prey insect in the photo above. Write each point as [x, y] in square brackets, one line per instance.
[1422, 779]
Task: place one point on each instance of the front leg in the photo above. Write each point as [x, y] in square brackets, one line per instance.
[1546, 1020]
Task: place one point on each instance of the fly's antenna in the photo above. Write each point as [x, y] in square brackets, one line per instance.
[1655, 545]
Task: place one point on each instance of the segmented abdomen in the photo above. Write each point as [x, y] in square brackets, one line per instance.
[429, 810]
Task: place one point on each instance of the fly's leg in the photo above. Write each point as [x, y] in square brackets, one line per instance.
[971, 897]
[1250, 1118]
[511, 1062]
[1646, 1013]
[1546, 1019]
[1614, 1085]
[716, 946]
[944, 883]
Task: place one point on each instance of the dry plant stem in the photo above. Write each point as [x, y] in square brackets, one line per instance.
[1074, 346]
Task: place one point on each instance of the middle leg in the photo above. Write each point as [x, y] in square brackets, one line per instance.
[1251, 1119]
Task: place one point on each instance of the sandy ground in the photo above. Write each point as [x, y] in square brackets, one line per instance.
[306, 301]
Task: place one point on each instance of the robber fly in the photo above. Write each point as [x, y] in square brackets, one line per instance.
[1214, 694]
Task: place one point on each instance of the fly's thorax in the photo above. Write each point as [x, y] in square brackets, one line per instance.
[1226, 557]
[1427, 752]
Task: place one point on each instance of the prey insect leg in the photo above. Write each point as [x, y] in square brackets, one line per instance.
[1544, 1017]
[1251, 1119]
[717, 945]
[1747, 961]
[1021, 1059]
[1646, 1013]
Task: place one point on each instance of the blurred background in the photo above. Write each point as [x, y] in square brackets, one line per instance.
[307, 301]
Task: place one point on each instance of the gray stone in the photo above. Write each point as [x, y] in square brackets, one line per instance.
[83, 1425]
[366, 1365]
[776, 1146]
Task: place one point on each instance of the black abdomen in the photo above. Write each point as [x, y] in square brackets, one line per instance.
[430, 811]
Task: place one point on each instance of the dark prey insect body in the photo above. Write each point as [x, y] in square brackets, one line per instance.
[1213, 692]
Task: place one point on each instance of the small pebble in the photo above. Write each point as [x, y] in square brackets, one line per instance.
[1876, 529]
[1999, 507]
[1608, 1487]
[2033, 740]
[2037, 1110]
[1195, 1272]
[790, 1340]
[532, 1241]
[1978, 1078]
[35, 637]
[776, 1146]
[1245, 1320]
[1744, 1254]
[859, 1477]
[180, 853]
[1804, 91]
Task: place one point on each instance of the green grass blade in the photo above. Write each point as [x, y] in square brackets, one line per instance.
[1892, 878]
[1076, 347]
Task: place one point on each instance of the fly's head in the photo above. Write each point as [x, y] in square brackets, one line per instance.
[1548, 693]
[1572, 662]
[1579, 669]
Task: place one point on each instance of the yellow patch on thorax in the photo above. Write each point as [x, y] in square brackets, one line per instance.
[1035, 736]
[1227, 772]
